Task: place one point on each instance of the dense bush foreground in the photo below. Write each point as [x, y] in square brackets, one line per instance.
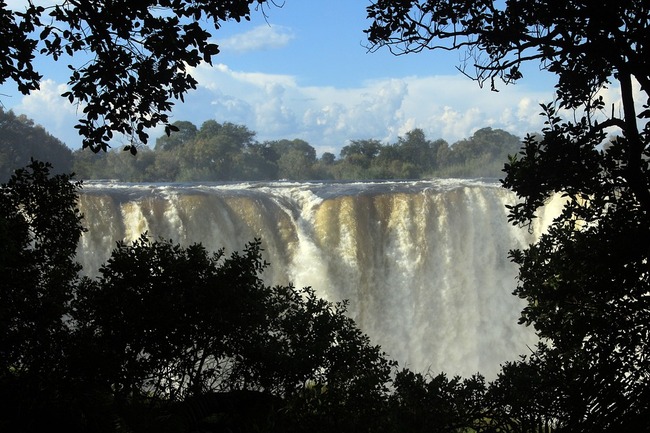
[178, 339]
[167, 338]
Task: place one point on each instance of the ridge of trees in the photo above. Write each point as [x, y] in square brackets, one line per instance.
[21, 140]
[229, 152]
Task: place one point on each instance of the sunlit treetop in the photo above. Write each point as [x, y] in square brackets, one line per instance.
[135, 56]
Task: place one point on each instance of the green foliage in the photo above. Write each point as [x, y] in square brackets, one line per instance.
[40, 226]
[583, 43]
[228, 152]
[586, 280]
[525, 396]
[363, 151]
[138, 63]
[294, 158]
[129, 311]
[185, 132]
[229, 331]
[21, 140]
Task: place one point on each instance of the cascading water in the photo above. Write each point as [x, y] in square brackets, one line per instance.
[423, 264]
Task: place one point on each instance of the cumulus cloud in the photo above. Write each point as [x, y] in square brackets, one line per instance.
[54, 113]
[262, 37]
[236, 110]
[277, 106]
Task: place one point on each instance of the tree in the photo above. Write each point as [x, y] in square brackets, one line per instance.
[415, 149]
[368, 149]
[587, 279]
[488, 144]
[140, 53]
[328, 158]
[526, 397]
[257, 163]
[186, 131]
[21, 140]
[295, 158]
[482, 154]
[168, 334]
[173, 323]
[216, 152]
[451, 405]
[322, 169]
[388, 164]
[216, 303]
[39, 229]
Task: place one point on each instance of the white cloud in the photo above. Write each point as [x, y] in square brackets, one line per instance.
[47, 108]
[262, 37]
[277, 106]
[459, 124]
[236, 110]
[222, 77]
[48, 98]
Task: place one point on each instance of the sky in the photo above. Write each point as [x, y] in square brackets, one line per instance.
[304, 71]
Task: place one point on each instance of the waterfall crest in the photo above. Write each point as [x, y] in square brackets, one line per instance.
[423, 264]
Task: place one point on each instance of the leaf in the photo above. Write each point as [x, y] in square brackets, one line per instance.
[645, 114]
[45, 33]
[210, 50]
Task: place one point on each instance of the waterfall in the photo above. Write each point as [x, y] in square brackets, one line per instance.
[423, 264]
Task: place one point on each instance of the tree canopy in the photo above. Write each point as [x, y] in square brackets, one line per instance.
[226, 151]
[584, 44]
[21, 140]
[587, 279]
[229, 152]
[132, 58]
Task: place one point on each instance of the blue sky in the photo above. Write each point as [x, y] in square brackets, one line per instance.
[304, 72]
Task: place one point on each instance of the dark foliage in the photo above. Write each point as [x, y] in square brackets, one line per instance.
[423, 404]
[21, 140]
[167, 337]
[39, 229]
[586, 279]
[584, 44]
[134, 56]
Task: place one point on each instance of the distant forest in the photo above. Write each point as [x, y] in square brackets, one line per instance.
[229, 152]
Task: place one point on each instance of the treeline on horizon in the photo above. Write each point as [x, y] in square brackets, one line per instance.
[226, 151]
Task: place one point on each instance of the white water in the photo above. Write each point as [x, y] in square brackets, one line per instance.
[423, 264]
